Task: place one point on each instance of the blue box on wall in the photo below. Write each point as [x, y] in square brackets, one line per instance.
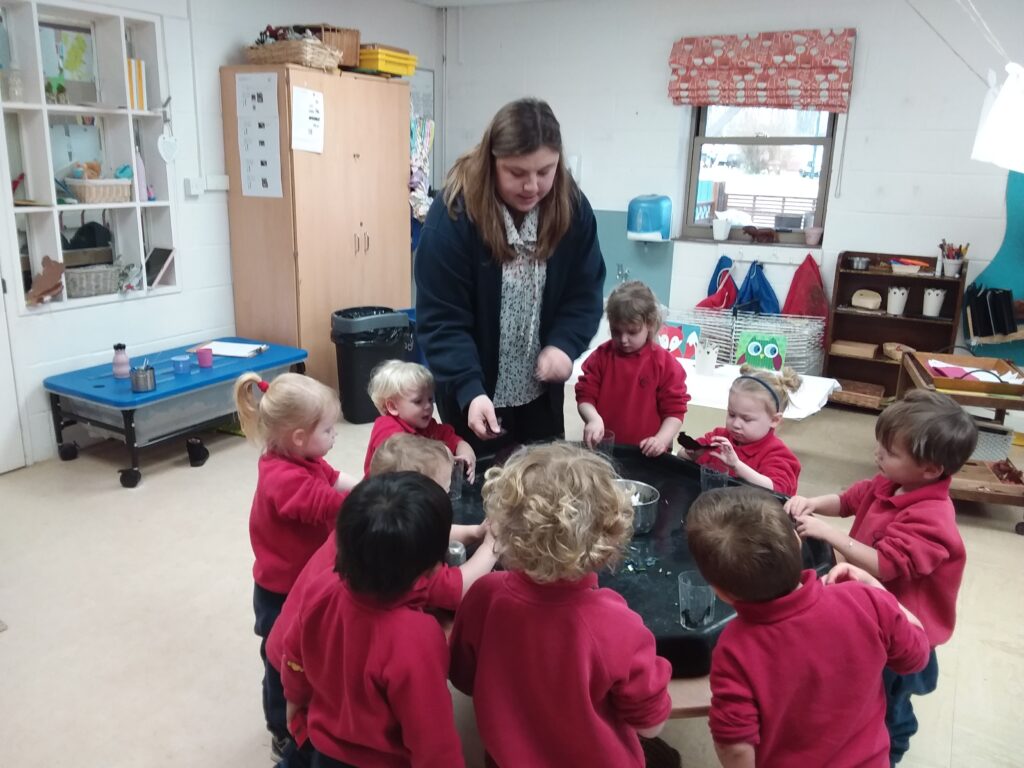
[649, 218]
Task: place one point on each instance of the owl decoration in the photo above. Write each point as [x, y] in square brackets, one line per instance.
[761, 350]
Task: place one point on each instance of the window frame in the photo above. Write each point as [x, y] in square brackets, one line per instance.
[698, 132]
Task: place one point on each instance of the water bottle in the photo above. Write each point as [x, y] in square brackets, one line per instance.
[122, 365]
[456, 554]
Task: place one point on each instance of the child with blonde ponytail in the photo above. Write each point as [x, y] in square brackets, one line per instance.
[747, 447]
[297, 499]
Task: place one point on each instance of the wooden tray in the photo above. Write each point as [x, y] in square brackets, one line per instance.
[969, 385]
[859, 393]
[853, 349]
[978, 481]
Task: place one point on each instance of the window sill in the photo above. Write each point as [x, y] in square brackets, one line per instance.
[745, 241]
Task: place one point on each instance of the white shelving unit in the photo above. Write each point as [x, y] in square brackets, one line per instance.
[36, 223]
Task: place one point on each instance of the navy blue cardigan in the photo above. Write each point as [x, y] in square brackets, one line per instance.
[458, 299]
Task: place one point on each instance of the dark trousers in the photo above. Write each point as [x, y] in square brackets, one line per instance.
[899, 712]
[296, 756]
[320, 760]
[267, 607]
[540, 420]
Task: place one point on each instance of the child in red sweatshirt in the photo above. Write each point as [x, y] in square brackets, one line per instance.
[795, 676]
[630, 385]
[562, 672]
[747, 446]
[904, 530]
[365, 670]
[404, 395]
[297, 498]
[442, 589]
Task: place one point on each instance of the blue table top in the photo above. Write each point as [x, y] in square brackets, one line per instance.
[98, 385]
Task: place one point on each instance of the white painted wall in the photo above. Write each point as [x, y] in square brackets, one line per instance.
[907, 177]
[46, 344]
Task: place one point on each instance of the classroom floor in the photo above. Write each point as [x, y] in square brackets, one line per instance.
[129, 639]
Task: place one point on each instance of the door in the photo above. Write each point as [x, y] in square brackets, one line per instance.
[12, 450]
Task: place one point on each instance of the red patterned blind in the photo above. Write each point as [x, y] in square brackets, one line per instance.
[798, 69]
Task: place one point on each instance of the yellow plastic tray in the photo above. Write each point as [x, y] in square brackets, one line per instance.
[383, 60]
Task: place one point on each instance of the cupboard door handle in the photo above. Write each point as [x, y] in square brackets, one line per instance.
[356, 238]
[366, 247]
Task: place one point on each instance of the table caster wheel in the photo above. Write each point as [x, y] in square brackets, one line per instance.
[130, 477]
[1019, 528]
[67, 451]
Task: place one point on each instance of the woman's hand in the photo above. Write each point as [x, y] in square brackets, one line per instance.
[553, 366]
[481, 418]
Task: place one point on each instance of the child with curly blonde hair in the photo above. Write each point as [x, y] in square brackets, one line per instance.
[404, 395]
[543, 624]
[297, 499]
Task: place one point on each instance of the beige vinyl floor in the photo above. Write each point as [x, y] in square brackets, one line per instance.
[129, 639]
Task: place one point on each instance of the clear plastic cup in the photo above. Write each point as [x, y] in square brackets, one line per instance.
[696, 600]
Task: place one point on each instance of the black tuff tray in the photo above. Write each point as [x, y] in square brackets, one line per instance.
[647, 578]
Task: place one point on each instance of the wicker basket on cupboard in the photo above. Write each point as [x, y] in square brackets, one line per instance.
[97, 280]
[309, 52]
[101, 190]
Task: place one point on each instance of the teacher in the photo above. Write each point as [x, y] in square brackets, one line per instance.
[509, 280]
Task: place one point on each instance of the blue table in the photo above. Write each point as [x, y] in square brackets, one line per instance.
[181, 403]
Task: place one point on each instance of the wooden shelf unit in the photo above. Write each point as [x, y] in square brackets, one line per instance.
[848, 323]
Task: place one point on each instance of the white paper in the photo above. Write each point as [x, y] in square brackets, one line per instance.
[307, 120]
[259, 150]
[235, 348]
[257, 94]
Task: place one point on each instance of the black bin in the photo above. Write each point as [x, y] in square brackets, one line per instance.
[364, 337]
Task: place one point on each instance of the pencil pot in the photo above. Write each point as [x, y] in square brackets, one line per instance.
[143, 379]
[933, 298]
[897, 300]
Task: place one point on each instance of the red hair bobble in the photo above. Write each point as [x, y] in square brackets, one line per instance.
[264, 386]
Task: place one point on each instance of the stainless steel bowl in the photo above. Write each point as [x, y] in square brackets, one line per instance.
[859, 262]
[645, 500]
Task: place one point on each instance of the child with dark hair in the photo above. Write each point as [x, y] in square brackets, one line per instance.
[365, 672]
[904, 530]
[825, 707]
[630, 385]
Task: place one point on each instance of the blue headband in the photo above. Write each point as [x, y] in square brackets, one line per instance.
[766, 385]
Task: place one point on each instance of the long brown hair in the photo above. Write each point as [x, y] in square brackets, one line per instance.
[519, 128]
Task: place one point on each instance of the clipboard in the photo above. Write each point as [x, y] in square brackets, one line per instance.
[157, 262]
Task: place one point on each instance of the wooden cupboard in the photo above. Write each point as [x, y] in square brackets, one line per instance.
[338, 236]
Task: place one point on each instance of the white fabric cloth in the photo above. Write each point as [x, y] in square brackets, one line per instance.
[998, 140]
[522, 294]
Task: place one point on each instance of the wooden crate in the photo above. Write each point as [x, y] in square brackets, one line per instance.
[859, 393]
[991, 387]
[987, 481]
[853, 349]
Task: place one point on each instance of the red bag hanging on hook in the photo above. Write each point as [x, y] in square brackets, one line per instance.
[726, 294]
[807, 291]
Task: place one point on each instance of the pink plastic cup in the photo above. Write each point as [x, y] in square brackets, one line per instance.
[205, 357]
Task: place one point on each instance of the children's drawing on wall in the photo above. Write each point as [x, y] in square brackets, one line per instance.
[761, 350]
[680, 339]
[69, 69]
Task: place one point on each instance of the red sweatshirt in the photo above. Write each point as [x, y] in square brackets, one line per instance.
[800, 677]
[921, 556]
[561, 674]
[294, 508]
[387, 425]
[441, 589]
[372, 679]
[633, 393]
[768, 456]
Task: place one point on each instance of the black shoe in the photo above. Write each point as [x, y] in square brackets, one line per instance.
[658, 754]
[278, 744]
[197, 452]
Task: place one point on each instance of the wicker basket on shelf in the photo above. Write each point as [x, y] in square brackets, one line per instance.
[309, 52]
[97, 280]
[101, 190]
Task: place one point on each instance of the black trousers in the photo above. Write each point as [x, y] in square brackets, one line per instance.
[267, 607]
[540, 420]
[320, 760]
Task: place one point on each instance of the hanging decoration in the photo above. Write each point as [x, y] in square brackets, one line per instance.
[796, 69]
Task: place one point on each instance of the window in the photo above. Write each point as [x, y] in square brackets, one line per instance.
[769, 166]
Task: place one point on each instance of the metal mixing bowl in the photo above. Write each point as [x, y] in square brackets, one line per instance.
[645, 500]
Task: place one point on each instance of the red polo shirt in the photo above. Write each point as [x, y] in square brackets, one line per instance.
[372, 680]
[921, 556]
[768, 456]
[800, 677]
[293, 510]
[387, 425]
[561, 674]
[633, 393]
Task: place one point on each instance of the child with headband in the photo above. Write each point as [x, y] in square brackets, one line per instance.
[747, 447]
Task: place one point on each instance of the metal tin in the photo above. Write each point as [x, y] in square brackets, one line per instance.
[143, 379]
[456, 554]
